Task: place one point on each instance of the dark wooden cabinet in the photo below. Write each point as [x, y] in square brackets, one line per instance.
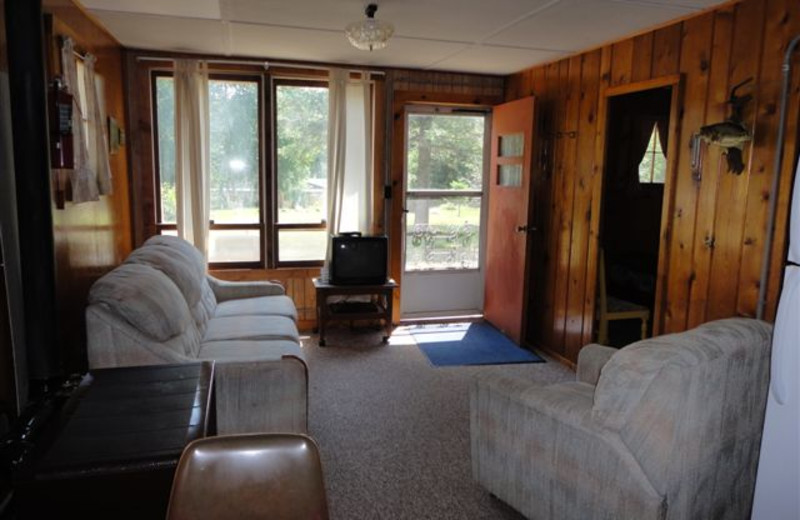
[113, 449]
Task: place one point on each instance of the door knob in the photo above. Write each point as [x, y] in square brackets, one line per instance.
[526, 229]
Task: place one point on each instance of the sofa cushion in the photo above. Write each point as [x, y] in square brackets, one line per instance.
[205, 308]
[192, 254]
[250, 328]
[145, 298]
[187, 259]
[239, 350]
[263, 306]
[174, 263]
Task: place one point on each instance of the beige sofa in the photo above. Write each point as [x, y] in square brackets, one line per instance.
[160, 306]
[665, 428]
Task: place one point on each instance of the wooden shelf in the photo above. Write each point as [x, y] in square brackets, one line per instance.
[378, 309]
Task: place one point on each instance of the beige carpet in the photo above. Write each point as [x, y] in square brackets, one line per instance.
[394, 431]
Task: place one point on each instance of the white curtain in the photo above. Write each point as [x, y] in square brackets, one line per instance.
[350, 172]
[192, 152]
[98, 134]
[82, 178]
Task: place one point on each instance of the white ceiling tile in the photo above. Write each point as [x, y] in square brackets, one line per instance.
[165, 33]
[581, 24]
[699, 4]
[453, 20]
[693, 4]
[435, 34]
[185, 8]
[315, 14]
[464, 20]
[495, 60]
[332, 46]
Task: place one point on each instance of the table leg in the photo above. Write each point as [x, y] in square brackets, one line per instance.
[321, 316]
[388, 317]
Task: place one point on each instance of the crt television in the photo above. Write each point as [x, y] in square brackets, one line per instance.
[358, 260]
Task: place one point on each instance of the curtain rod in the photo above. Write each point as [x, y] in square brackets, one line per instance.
[264, 63]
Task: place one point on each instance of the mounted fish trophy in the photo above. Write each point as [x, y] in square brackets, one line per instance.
[730, 134]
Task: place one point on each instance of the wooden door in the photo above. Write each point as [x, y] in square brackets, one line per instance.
[509, 216]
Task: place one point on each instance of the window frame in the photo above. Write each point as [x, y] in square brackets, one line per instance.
[162, 226]
[273, 224]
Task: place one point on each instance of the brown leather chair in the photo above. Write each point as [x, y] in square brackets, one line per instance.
[275, 476]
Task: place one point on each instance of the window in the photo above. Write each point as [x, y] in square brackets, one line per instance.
[653, 167]
[263, 214]
[509, 168]
[236, 227]
[301, 172]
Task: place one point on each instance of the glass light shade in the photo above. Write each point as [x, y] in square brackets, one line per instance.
[369, 34]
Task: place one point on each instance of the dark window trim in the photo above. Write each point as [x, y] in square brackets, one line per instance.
[274, 226]
[321, 225]
[154, 75]
[258, 79]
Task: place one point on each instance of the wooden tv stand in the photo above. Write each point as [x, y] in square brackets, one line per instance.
[379, 308]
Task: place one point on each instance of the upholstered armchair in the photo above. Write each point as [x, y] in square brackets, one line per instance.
[665, 428]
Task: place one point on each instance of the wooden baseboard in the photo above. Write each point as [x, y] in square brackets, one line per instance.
[544, 351]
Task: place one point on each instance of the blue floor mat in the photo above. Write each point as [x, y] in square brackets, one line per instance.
[454, 344]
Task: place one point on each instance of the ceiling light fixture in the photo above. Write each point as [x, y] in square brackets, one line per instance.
[369, 34]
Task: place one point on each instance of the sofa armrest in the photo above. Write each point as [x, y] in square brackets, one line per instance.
[225, 290]
[538, 449]
[268, 396]
[591, 360]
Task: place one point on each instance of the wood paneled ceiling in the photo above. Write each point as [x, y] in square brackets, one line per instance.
[482, 36]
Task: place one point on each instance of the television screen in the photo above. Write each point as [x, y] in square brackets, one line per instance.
[358, 260]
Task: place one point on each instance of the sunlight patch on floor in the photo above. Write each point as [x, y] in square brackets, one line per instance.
[401, 336]
[433, 332]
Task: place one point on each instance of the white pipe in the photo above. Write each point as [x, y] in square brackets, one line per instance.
[773, 194]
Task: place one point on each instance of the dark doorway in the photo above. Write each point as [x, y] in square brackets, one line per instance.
[634, 176]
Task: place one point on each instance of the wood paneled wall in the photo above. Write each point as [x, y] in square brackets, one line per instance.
[407, 80]
[93, 237]
[715, 226]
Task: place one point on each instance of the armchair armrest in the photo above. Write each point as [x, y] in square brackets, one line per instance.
[539, 449]
[566, 402]
[591, 360]
[225, 290]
